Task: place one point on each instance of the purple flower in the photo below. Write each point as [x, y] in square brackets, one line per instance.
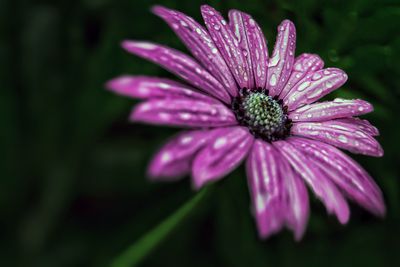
[239, 104]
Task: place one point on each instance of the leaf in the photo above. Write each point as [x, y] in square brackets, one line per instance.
[134, 254]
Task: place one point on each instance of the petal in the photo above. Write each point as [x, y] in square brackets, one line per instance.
[173, 160]
[297, 206]
[343, 135]
[303, 65]
[338, 108]
[144, 87]
[237, 26]
[363, 125]
[322, 187]
[350, 177]
[266, 188]
[179, 64]
[223, 155]
[281, 62]
[227, 45]
[252, 40]
[200, 44]
[183, 112]
[314, 86]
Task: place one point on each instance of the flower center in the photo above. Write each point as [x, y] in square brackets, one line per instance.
[264, 115]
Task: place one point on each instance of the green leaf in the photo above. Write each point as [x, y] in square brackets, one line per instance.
[134, 254]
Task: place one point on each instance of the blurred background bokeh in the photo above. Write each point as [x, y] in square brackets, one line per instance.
[73, 189]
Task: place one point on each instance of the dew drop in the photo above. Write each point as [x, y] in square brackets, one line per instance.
[315, 93]
[258, 70]
[303, 86]
[184, 24]
[184, 116]
[220, 142]
[342, 138]
[164, 85]
[273, 80]
[327, 72]
[143, 45]
[166, 156]
[252, 22]
[186, 140]
[316, 76]
[274, 60]
[339, 100]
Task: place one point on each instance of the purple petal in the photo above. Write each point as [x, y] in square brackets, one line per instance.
[343, 135]
[322, 187]
[350, 177]
[180, 64]
[252, 40]
[238, 27]
[183, 112]
[314, 86]
[227, 45]
[297, 207]
[281, 62]
[338, 108]
[363, 125]
[144, 87]
[303, 65]
[174, 159]
[223, 155]
[199, 42]
[266, 188]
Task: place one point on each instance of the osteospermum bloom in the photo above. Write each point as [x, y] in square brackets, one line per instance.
[240, 104]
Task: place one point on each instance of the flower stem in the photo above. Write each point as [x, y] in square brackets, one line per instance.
[135, 253]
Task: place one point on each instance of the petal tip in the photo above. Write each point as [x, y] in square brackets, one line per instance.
[344, 217]
[117, 85]
[287, 23]
[161, 11]
[135, 114]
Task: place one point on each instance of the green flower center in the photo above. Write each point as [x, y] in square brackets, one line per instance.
[264, 115]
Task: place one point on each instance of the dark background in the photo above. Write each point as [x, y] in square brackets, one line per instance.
[73, 190]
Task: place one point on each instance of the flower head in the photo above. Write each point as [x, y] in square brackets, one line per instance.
[240, 104]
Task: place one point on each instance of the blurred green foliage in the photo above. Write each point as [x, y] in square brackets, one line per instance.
[73, 190]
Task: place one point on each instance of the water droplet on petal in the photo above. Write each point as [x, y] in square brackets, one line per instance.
[272, 81]
[303, 86]
[184, 24]
[220, 142]
[274, 60]
[252, 22]
[166, 156]
[328, 84]
[316, 76]
[342, 138]
[327, 72]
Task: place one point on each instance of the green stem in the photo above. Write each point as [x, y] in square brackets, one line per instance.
[135, 253]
